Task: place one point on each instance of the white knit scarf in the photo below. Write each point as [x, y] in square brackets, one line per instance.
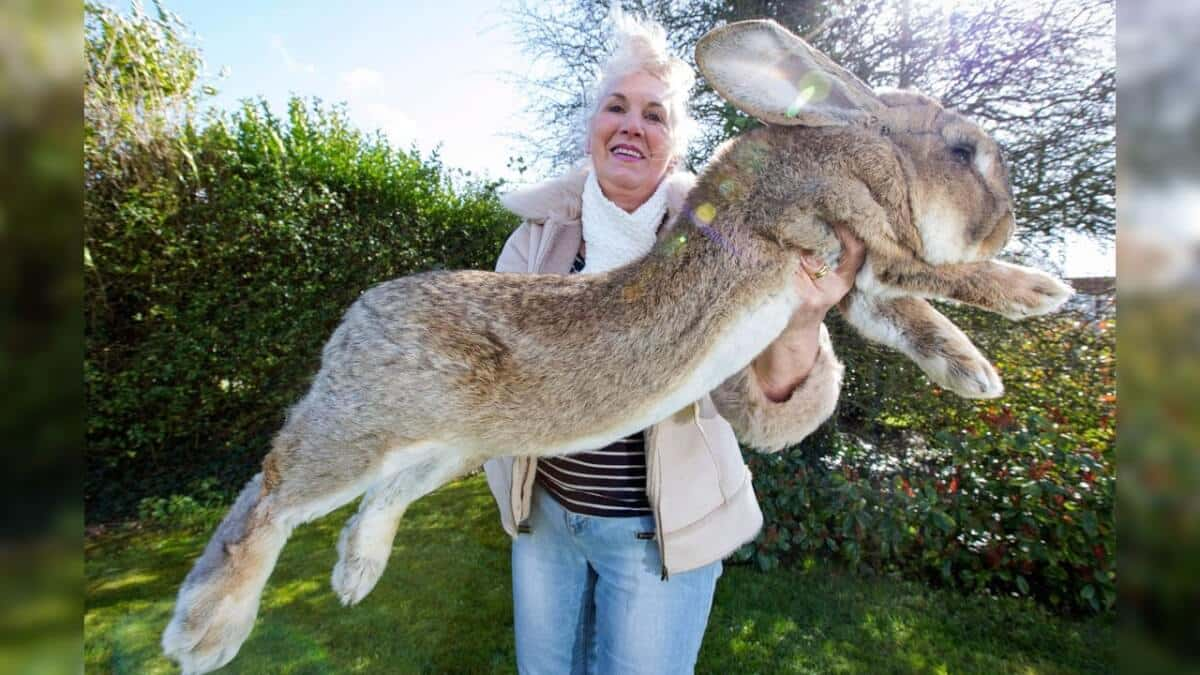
[615, 237]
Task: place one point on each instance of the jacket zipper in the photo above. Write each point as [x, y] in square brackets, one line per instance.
[519, 485]
[655, 464]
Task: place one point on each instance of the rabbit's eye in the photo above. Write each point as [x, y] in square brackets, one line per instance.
[963, 153]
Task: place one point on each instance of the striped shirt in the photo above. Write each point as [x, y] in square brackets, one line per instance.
[609, 481]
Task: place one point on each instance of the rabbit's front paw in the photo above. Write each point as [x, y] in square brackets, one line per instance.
[1034, 294]
[363, 549]
[354, 577]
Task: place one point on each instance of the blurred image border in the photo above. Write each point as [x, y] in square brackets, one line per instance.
[41, 336]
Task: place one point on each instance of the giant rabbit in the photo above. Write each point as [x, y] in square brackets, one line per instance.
[430, 375]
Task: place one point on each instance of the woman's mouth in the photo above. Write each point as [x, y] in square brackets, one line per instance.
[626, 153]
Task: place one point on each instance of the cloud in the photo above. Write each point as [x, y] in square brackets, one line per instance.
[363, 91]
[399, 128]
[292, 64]
[361, 80]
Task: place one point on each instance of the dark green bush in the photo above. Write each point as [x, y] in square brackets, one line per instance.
[212, 284]
[1008, 496]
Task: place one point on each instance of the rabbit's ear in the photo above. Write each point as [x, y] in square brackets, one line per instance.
[768, 72]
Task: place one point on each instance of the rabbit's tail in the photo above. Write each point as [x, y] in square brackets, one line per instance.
[219, 598]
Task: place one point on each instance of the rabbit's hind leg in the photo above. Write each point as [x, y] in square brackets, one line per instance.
[219, 599]
[366, 541]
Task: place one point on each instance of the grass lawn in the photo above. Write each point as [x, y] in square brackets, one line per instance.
[444, 606]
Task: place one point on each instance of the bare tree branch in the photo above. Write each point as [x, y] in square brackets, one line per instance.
[1039, 75]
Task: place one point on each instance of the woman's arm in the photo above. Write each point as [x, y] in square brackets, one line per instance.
[793, 386]
[785, 363]
[514, 257]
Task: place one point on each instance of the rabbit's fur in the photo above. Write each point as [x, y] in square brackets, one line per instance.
[926, 189]
[430, 375]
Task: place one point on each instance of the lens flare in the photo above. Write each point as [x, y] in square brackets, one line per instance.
[813, 88]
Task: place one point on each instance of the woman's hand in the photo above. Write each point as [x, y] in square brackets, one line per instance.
[785, 363]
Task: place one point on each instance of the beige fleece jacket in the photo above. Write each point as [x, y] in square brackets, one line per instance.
[697, 483]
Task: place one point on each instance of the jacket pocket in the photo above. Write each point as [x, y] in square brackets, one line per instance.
[691, 482]
[726, 454]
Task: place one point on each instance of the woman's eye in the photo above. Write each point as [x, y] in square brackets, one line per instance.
[615, 108]
[963, 153]
[654, 117]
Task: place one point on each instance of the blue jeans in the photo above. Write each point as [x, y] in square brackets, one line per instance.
[588, 597]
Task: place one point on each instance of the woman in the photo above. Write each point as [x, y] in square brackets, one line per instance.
[612, 574]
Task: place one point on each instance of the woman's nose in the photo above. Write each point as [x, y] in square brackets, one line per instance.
[632, 126]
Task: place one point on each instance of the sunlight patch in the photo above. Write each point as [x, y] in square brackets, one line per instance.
[134, 579]
[292, 592]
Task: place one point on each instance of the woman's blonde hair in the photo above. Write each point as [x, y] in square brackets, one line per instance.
[641, 46]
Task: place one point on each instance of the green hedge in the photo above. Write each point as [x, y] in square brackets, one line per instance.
[1008, 496]
[213, 282]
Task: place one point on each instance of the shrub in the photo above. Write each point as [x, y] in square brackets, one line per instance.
[1008, 496]
[209, 296]
[220, 254]
[204, 505]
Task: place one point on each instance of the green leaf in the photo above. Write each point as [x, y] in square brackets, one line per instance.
[943, 521]
[1088, 522]
[1023, 585]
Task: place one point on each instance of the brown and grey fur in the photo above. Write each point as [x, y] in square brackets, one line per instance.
[883, 165]
[430, 375]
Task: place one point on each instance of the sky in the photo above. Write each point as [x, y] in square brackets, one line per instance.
[428, 73]
[433, 74]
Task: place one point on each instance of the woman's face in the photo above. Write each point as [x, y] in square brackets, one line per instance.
[630, 137]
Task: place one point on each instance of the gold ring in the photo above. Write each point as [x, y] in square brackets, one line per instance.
[822, 271]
